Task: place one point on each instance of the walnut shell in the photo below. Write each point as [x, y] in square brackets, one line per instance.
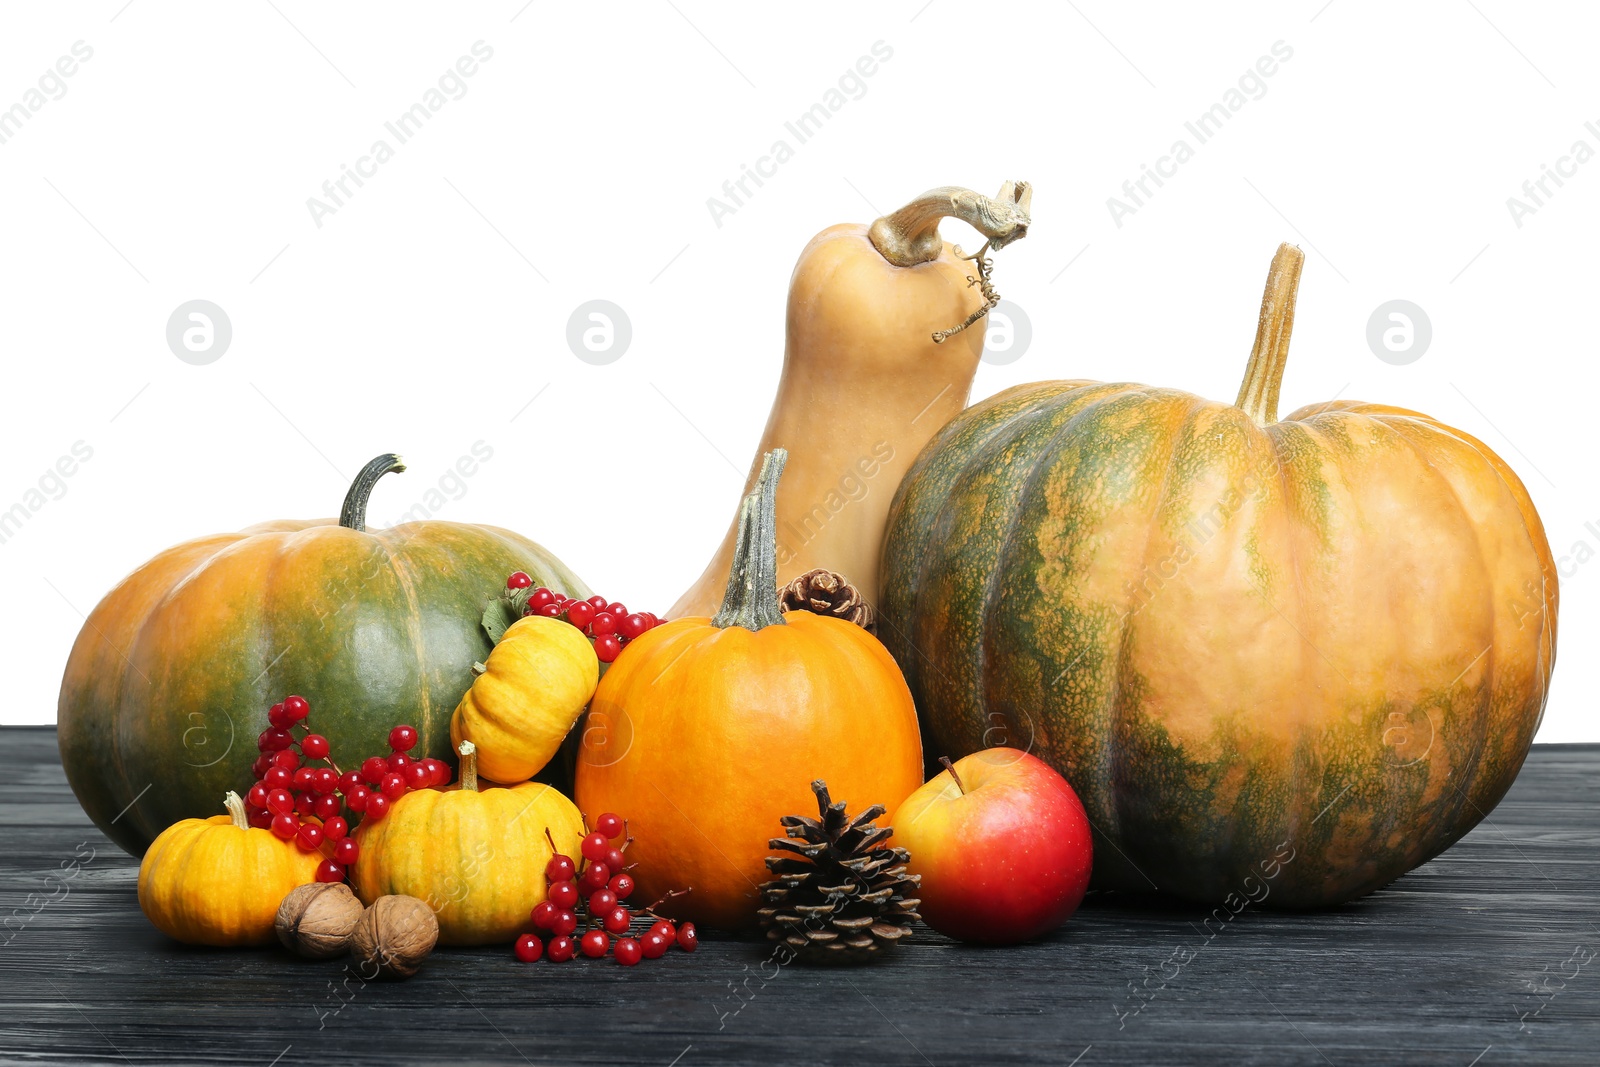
[315, 919]
[393, 936]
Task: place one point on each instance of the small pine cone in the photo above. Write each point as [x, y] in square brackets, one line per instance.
[825, 592]
[841, 895]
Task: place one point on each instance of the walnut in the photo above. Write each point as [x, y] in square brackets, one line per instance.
[393, 937]
[315, 919]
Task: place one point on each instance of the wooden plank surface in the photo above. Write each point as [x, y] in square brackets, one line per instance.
[1482, 957]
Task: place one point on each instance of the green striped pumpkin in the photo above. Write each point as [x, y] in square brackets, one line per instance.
[1326, 638]
[169, 682]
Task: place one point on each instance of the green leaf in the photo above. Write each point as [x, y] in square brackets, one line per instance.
[502, 611]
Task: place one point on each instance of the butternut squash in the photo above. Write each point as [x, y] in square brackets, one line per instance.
[877, 359]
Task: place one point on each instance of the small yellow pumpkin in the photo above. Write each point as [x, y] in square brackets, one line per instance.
[527, 695]
[219, 881]
[477, 857]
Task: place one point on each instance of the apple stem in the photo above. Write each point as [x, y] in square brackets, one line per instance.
[951, 767]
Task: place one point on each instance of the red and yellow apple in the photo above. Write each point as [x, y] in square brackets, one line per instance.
[1002, 844]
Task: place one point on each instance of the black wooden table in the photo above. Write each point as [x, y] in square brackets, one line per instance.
[1484, 956]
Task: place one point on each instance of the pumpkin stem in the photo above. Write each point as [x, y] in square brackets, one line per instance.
[751, 599]
[951, 767]
[911, 235]
[353, 516]
[1258, 395]
[469, 766]
[235, 806]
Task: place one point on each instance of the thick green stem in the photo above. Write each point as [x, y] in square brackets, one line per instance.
[1258, 396]
[751, 600]
[353, 516]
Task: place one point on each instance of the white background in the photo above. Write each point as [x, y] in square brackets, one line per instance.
[426, 313]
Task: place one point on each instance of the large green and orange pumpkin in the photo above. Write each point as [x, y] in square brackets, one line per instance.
[1325, 637]
[169, 681]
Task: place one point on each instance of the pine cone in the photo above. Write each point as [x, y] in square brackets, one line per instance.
[841, 897]
[825, 592]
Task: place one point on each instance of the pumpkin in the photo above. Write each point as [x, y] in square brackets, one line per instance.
[476, 856]
[219, 881]
[526, 697]
[864, 383]
[1327, 636]
[704, 732]
[173, 672]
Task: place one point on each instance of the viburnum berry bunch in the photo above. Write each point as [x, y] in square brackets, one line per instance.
[593, 899]
[608, 622]
[300, 794]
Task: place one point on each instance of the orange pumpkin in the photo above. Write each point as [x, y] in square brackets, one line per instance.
[705, 732]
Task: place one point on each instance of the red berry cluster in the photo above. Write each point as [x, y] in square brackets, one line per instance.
[289, 794]
[609, 622]
[593, 899]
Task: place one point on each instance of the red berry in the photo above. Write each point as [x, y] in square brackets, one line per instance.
[543, 915]
[615, 860]
[404, 738]
[373, 768]
[617, 920]
[595, 876]
[393, 785]
[288, 759]
[560, 949]
[652, 946]
[540, 597]
[609, 825]
[277, 778]
[303, 778]
[528, 948]
[349, 780]
[621, 885]
[274, 740]
[296, 708]
[601, 901]
[260, 766]
[565, 922]
[314, 746]
[279, 801]
[399, 761]
[261, 819]
[564, 894]
[550, 611]
[617, 608]
[356, 799]
[325, 780]
[347, 851]
[438, 771]
[278, 717]
[559, 869]
[285, 826]
[308, 837]
[607, 648]
[688, 940]
[595, 944]
[325, 806]
[666, 930]
[335, 828]
[329, 871]
[518, 580]
[305, 803]
[632, 626]
[602, 624]
[580, 614]
[628, 952]
[594, 847]
[597, 602]
[257, 795]
[377, 806]
[418, 776]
